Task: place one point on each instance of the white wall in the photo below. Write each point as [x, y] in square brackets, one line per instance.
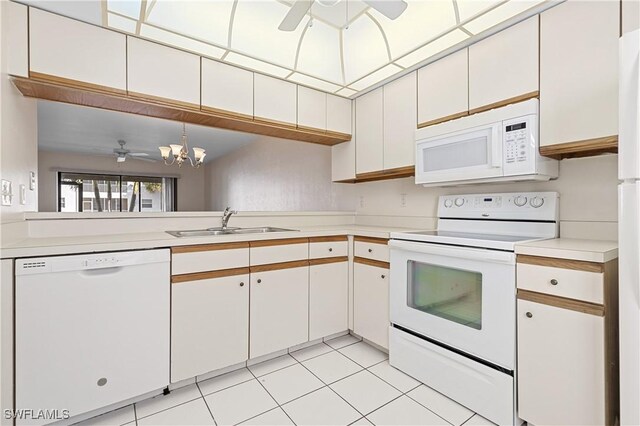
[190, 181]
[587, 187]
[275, 175]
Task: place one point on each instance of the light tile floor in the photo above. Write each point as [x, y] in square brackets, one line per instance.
[339, 382]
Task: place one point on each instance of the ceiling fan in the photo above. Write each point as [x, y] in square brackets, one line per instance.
[123, 153]
[389, 8]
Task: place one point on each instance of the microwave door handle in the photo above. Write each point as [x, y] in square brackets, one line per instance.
[496, 145]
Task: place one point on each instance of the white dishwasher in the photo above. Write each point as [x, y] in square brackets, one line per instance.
[90, 330]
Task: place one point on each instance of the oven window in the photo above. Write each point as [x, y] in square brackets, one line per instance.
[452, 294]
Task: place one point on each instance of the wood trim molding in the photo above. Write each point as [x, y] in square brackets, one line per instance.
[78, 93]
[398, 172]
[311, 129]
[282, 242]
[611, 339]
[209, 247]
[443, 119]
[562, 302]
[505, 102]
[277, 123]
[67, 82]
[373, 240]
[177, 279]
[371, 262]
[278, 266]
[225, 113]
[328, 239]
[327, 260]
[584, 148]
[576, 265]
[339, 135]
[162, 101]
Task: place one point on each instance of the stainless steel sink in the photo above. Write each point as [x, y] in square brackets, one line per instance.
[229, 231]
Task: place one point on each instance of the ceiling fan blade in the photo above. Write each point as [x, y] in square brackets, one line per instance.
[295, 15]
[148, 160]
[138, 154]
[389, 8]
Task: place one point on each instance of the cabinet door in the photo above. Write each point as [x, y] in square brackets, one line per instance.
[443, 89]
[560, 366]
[274, 99]
[579, 71]
[371, 303]
[162, 72]
[227, 88]
[312, 108]
[18, 32]
[73, 50]
[399, 112]
[339, 114]
[209, 325]
[279, 310]
[369, 130]
[630, 15]
[505, 65]
[328, 286]
[343, 155]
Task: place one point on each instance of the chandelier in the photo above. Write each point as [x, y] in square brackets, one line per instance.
[180, 153]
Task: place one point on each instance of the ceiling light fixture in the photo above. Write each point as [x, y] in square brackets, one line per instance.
[180, 153]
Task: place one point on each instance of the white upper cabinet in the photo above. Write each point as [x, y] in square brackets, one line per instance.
[400, 112]
[275, 99]
[579, 71]
[343, 156]
[369, 131]
[312, 108]
[159, 71]
[339, 114]
[227, 88]
[443, 88]
[16, 20]
[69, 49]
[505, 65]
[630, 15]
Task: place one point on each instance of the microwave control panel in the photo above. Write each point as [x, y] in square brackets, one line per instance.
[519, 144]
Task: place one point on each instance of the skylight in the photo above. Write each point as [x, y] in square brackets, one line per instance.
[344, 49]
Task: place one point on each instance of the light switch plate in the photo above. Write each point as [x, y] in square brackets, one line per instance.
[32, 181]
[6, 192]
[23, 194]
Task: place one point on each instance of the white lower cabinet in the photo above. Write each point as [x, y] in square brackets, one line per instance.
[279, 310]
[209, 325]
[561, 366]
[371, 303]
[328, 299]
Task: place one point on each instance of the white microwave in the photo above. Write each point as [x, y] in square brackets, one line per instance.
[497, 145]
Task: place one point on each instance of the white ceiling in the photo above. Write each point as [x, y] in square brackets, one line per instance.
[72, 128]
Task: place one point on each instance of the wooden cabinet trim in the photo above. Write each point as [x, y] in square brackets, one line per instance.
[278, 266]
[373, 240]
[222, 112]
[163, 101]
[68, 82]
[96, 97]
[281, 123]
[562, 302]
[399, 172]
[177, 279]
[611, 347]
[443, 119]
[577, 265]
[209, 247]
[326, 260]
[584, 148]
[328, 239]
[371, 262]
[282, 242]
[505, 102]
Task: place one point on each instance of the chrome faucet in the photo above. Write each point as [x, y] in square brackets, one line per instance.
[226, 216]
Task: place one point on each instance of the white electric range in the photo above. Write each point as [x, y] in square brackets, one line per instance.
[453, 296]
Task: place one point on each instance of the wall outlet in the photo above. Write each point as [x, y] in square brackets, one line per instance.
[403, 200]
[32, 181]
[23, 194]
[6, 192]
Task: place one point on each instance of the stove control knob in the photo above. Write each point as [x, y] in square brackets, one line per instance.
[520, 200]
[448, 203]
[459, 202]
[536, 202]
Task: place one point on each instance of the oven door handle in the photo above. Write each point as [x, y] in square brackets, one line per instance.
[493, 256]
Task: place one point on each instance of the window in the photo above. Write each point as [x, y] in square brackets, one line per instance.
[85, 192]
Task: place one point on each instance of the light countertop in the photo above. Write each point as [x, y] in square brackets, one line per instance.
[32, 247]
[573, 249]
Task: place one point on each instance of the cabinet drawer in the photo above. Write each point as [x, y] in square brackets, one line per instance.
[328, 247]
[277, 251]
[574, 284]
[190, 259]
[372, 250]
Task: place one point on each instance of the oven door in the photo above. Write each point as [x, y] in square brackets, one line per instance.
[464, 155]
[461, 297]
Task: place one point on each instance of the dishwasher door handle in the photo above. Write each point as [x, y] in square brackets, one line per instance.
[101, 271]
